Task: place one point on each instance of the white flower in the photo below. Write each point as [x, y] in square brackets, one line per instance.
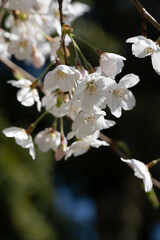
[21, 48]
[22, 5]
[26, 95]
[42, 6]
[49, 100]
[143, 47]
[92, 91]
[62, 77]
[21, 137]
[74, 10]
[111, 64]
[88, 122]
[118, 96]
[48, 139]
[142, 172]
[70, 108]
[38, 58]
[83, 145]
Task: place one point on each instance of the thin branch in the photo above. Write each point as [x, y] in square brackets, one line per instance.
[15, 68]
[146, 14]
[121, 154]
[60, 2]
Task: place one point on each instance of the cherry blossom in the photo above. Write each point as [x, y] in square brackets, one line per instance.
[92, 91]
[21, 137]
[21, 5]
[83, 145]
[141, 171]
[48, 139]
[111, 63]
[88, 122]
[21, 48]
[71, 108]
[143, 47]
[27, 95]
[62, 77]
[118, 96]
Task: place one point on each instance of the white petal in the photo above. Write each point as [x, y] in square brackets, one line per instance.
[111, 64]
[20, 83]
[25, 96]
[115, 106]
[32, 151]
[15, 132]
[143, 48]
[128, 81]
[36, 98]
[141, 171]
[49, 82]
[128, 101]
[135, 39]
[156, 61]
[147, 180]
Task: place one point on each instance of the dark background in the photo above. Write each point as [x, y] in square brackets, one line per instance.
[94, 196]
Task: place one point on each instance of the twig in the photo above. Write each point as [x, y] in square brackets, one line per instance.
[121, 154]
[60, 2]
[146, 14]
[15, 68]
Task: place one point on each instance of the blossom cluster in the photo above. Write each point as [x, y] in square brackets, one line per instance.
[81, 96]
[81, 93]
[32, 28]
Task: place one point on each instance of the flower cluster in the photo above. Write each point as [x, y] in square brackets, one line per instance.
[80, 93]
[31, 25]
[82, 98]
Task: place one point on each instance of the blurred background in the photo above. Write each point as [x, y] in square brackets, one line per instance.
[94, 196]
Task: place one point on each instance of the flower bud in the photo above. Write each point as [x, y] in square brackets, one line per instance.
[61, 150]
[38, 59]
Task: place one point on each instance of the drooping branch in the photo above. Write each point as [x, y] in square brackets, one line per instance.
[146, 14]
[112, 144]
[121, 154]
[15, 68]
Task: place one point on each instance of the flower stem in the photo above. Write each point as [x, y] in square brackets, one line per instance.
[97, 50]
[45, 35]
[60, 2]
[42, 74]
[87, 64]
[153, 163]
[61, 129]
[32, 126]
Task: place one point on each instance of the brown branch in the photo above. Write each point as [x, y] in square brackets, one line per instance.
[15, 68]
[146, 14]
[121, 154]
[60, 2]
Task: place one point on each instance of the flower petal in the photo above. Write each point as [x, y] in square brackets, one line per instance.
[128, 81]
[155, 58]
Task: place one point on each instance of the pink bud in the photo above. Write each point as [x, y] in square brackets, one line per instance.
[36, 6]
[60, 152]
[38, 59]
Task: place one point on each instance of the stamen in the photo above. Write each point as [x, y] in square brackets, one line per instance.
[61, 75]
[149, 50]
[93, 89]
[120, 92]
